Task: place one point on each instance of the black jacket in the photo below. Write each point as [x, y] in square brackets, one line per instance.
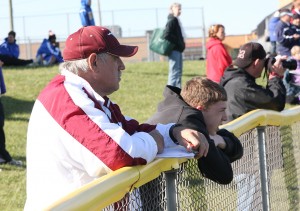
[216, 165]
[245, 95]
[173, 33]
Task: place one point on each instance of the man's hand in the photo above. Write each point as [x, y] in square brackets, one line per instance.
[158, 139]
[296, 36]
[219, 141]
[192, 140]
[277, 66]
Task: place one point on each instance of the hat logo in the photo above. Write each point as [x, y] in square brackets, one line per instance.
[241, 54]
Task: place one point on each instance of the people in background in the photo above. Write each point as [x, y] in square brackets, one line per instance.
[296, 7]
[77, 134]
[86, 13]
[286, 35]
[173, 33]
[296, 25]
[5, 157]
[272, 32]
[292, 79]
[49, 52]
[10, 52]
[244, 94]
[217, 59]
[201, 106]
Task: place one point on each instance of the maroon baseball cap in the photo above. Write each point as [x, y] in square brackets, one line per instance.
[94, 39]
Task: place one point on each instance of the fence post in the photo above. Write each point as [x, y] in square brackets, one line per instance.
[171, 190]
[261, 130]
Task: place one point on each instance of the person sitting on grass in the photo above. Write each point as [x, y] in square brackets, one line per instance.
[49, 52]
[9, 52]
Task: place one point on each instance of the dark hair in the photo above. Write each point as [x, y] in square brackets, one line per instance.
[52, 36]
[12, 33]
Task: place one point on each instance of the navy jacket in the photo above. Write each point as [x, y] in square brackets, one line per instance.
[10, 49]
[285, 40]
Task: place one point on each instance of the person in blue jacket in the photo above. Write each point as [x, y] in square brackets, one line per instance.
[86, 13]
[272, 31]
[9, 52]
[49, 52]
[285, 33]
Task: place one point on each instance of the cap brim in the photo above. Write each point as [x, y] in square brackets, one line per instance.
[286, 13]
[124, 51]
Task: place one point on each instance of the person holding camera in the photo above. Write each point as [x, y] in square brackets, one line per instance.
[244, 94]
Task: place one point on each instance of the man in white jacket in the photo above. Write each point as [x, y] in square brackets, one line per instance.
[76, 134]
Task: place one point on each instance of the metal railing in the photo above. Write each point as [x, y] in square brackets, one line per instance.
[266, 178]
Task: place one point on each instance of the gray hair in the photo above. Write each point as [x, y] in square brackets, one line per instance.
[80, 65]
[174, 5]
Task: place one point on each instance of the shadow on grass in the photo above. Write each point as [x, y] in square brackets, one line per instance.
[16, 106]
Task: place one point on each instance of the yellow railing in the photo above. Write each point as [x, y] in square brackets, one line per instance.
[113, 187]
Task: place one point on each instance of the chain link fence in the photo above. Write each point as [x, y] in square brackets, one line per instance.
[265, 178]
[272, 149]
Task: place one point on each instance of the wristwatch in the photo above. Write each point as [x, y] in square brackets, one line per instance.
[171, 133]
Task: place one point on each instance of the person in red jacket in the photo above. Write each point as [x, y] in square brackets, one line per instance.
[217, 59]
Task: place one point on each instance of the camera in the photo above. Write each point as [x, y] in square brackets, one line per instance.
[290, 64]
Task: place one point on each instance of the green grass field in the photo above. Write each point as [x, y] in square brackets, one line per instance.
[141, 89]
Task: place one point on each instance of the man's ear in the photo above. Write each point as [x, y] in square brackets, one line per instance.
[92, 61]
[255, 62]
[200, 108]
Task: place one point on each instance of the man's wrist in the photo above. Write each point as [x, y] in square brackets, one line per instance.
[273, 74]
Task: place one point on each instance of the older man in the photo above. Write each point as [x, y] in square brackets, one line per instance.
[76, 134]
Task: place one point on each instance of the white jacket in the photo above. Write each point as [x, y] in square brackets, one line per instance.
[75, 136]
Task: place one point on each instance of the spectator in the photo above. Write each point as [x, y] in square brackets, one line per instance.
[296, 7]
[5, 157]
[9, 52]
[272, 32]
[201, 105]
[286, 36]
[296, 25]
[292, 79]
[173, 33]
[76, 134]
[244, 94]
[86, 13]
[49, 52]
[218, 58]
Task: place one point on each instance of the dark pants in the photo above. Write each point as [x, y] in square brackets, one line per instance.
[273, 48]
[13, 61]
[3, 152]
